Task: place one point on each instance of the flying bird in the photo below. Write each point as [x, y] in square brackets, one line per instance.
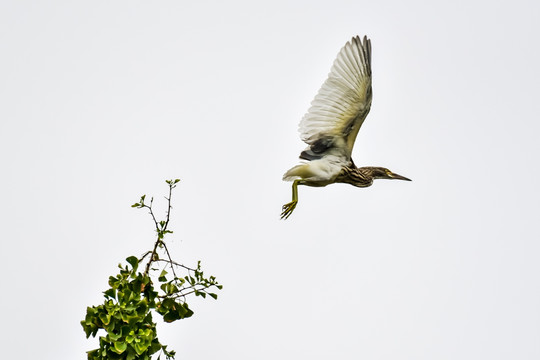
[331, 124]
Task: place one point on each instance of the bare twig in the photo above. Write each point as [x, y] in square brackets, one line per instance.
[161, 230]
[175, 264]
[169, 256]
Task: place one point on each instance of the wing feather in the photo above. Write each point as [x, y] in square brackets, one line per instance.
[344, 100]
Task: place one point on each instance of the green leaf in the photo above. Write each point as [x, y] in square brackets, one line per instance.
[168, 303]
[111, 293]
[131, 319]
[140, 347]
[162, 277]
[119, 347]
[187, 312]
[134, 262]
[114, 337]
[147, 334]
[105, 318]
[93, 354]
[170, 317]
[89, 328]
[131, 355]
[136, 205]
[171, 289]
[214, 296]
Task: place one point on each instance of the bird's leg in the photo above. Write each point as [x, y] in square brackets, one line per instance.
[288, 208]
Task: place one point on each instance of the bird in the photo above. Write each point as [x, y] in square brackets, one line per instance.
[331, 125]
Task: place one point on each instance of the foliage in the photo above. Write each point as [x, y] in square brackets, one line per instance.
[126, 314]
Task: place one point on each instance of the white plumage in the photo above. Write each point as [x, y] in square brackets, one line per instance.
[319, 172]
[332, 122]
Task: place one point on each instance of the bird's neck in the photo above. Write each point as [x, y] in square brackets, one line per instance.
[360, 177]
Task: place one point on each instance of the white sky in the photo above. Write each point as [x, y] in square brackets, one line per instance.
[101, 101]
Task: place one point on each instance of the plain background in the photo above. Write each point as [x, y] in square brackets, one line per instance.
[101, 101]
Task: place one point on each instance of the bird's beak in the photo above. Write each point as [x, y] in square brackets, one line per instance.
[398, 177]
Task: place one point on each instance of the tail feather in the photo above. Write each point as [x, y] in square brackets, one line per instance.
[294, 173]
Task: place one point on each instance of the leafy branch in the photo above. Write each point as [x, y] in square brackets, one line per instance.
[126, 314]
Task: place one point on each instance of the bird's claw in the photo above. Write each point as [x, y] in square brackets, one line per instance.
[288, 208]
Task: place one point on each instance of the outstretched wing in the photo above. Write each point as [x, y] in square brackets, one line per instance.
[332, 122]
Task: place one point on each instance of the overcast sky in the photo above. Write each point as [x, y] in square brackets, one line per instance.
[101, 101]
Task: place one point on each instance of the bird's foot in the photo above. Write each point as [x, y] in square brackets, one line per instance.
[287, 209]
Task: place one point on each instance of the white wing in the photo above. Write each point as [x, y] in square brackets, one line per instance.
[332, 122]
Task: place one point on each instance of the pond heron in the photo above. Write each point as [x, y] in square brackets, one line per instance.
[331, 124]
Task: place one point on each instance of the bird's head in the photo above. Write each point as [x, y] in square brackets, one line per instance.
[384, 173]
